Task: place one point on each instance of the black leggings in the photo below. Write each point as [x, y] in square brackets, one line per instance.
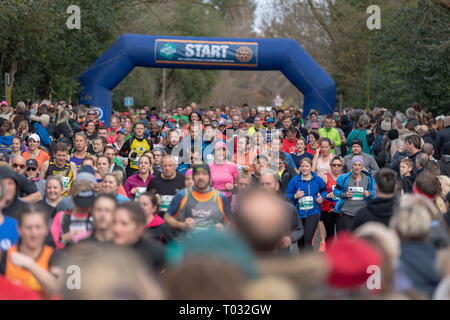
[310, 226]
[343, 222]
[329, 221]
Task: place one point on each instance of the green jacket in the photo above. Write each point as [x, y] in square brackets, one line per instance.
[331, 134]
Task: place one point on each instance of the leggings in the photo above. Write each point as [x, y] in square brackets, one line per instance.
[329, 221]
[343, 222]
[310, 226]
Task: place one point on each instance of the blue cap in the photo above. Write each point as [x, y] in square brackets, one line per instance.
[224, 116]
[270, 120]
[121, 130]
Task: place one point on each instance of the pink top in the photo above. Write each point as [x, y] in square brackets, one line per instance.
[223, 174]
[112, 135]
[323, 167]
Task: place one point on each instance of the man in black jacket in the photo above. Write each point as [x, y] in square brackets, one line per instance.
[270, 182]
[379, 209]
[444, 163]
[443, 136]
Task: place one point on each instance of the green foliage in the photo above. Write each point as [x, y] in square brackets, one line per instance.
[410, 59]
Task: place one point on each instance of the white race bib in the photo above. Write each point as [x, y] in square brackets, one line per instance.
[65, 181]
[358, 193]
[306, 203]
[140, 191]
[165, 202]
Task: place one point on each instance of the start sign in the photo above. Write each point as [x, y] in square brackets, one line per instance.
[206, 52]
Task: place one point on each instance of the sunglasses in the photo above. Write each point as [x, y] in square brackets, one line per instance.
[15, 165]
[336, 165]
[34, 169]
[91, 114]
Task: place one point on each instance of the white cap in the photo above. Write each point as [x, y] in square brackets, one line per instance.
[35, 137]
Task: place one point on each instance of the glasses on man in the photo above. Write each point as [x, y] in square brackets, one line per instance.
[18, 165]
[91, 114]
[31, 169]
[336, 165]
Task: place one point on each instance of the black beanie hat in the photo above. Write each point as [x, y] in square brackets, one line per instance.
[357, 141]
[392, 134]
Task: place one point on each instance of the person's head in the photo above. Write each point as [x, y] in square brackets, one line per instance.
[313, 116]
[103, 211]
[421, 160]
[280, 162]
[220, 152]
[139, 130]
[149, 203]
[427, 185]
[336, 164]
[168, 167]
[287, 122]
[406, 166]
[129, 223]
[92, 115]
[432, 169]
[244, 180]
[80, 141]
[33, 142]
[301, 144]
[154, 128]
[83, 194]
[275, 144]
[328, 122]
[60, 153]
[142, 114]
[102, 132]
[235, 121]
[110, 152]
[19, 165]
[385, 182]
[32, 168]
[357, 146]
[428, 149]
[412, 218]
[99, 145]
[259, 163]
[194, 116]
[325, 146]
[413, 143]
[357, 164]
[144, 164]
[90, 128]
[313, 138]
[110, 183]
[103, 164]
[33, 226]
[113, 123]
[270, 123]
[305, 166]
[201, 175]
[269, 180]
[157, 156]
[173, 138]
[188, 179]
[292, 134]
[262, 219]
[88, 162]
[362, 123]
[195, 131]
[53, 188]
[16, 144]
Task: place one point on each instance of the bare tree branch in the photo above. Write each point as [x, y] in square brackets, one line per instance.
[320, 20]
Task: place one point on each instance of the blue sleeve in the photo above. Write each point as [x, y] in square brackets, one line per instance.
[291, 189]
[226, 206]
[174, 205]
[372, 188]
[339, 189]
[290, 160]
[45, 137]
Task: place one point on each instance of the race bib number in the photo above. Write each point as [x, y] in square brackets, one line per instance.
[209, 158]
[334, 197]
[358, 193]
[136, 162]
[140, 191]
[65, 181]
[165, 202]
[306, 203]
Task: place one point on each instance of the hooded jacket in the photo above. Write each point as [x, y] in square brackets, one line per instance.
[377, 210]
[13, 209]
[444, 164]
[159, 230]
[398, 156]
[417, 261]
[311, 188]
[42, 132]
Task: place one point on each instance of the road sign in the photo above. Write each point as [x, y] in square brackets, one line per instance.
[129, 102]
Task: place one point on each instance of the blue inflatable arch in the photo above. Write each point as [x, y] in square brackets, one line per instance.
[132, 50]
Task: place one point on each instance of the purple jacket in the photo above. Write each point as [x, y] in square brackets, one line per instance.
[135, 181]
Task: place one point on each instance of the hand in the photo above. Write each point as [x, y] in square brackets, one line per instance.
[366, 193]
[299, 194]
[349, 194]
[319, 199]
[219, 227]
[285, 242]
[329, 195]
[190, 223]
[67, 237]
[134, 190]
[229, 186]
[21, 260]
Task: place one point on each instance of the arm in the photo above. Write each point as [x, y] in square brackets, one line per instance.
[315, 159]
[174, 223]
[56, 230]
[339, 190]
[291, 190]
[125, 148]
[373, 165]
[337, 140]
[74, 169]
[44, 169]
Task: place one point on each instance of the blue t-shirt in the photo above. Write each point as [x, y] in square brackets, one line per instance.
[8, 233]
[298, 158]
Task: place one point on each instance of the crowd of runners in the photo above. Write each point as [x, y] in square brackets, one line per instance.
[231, 202]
